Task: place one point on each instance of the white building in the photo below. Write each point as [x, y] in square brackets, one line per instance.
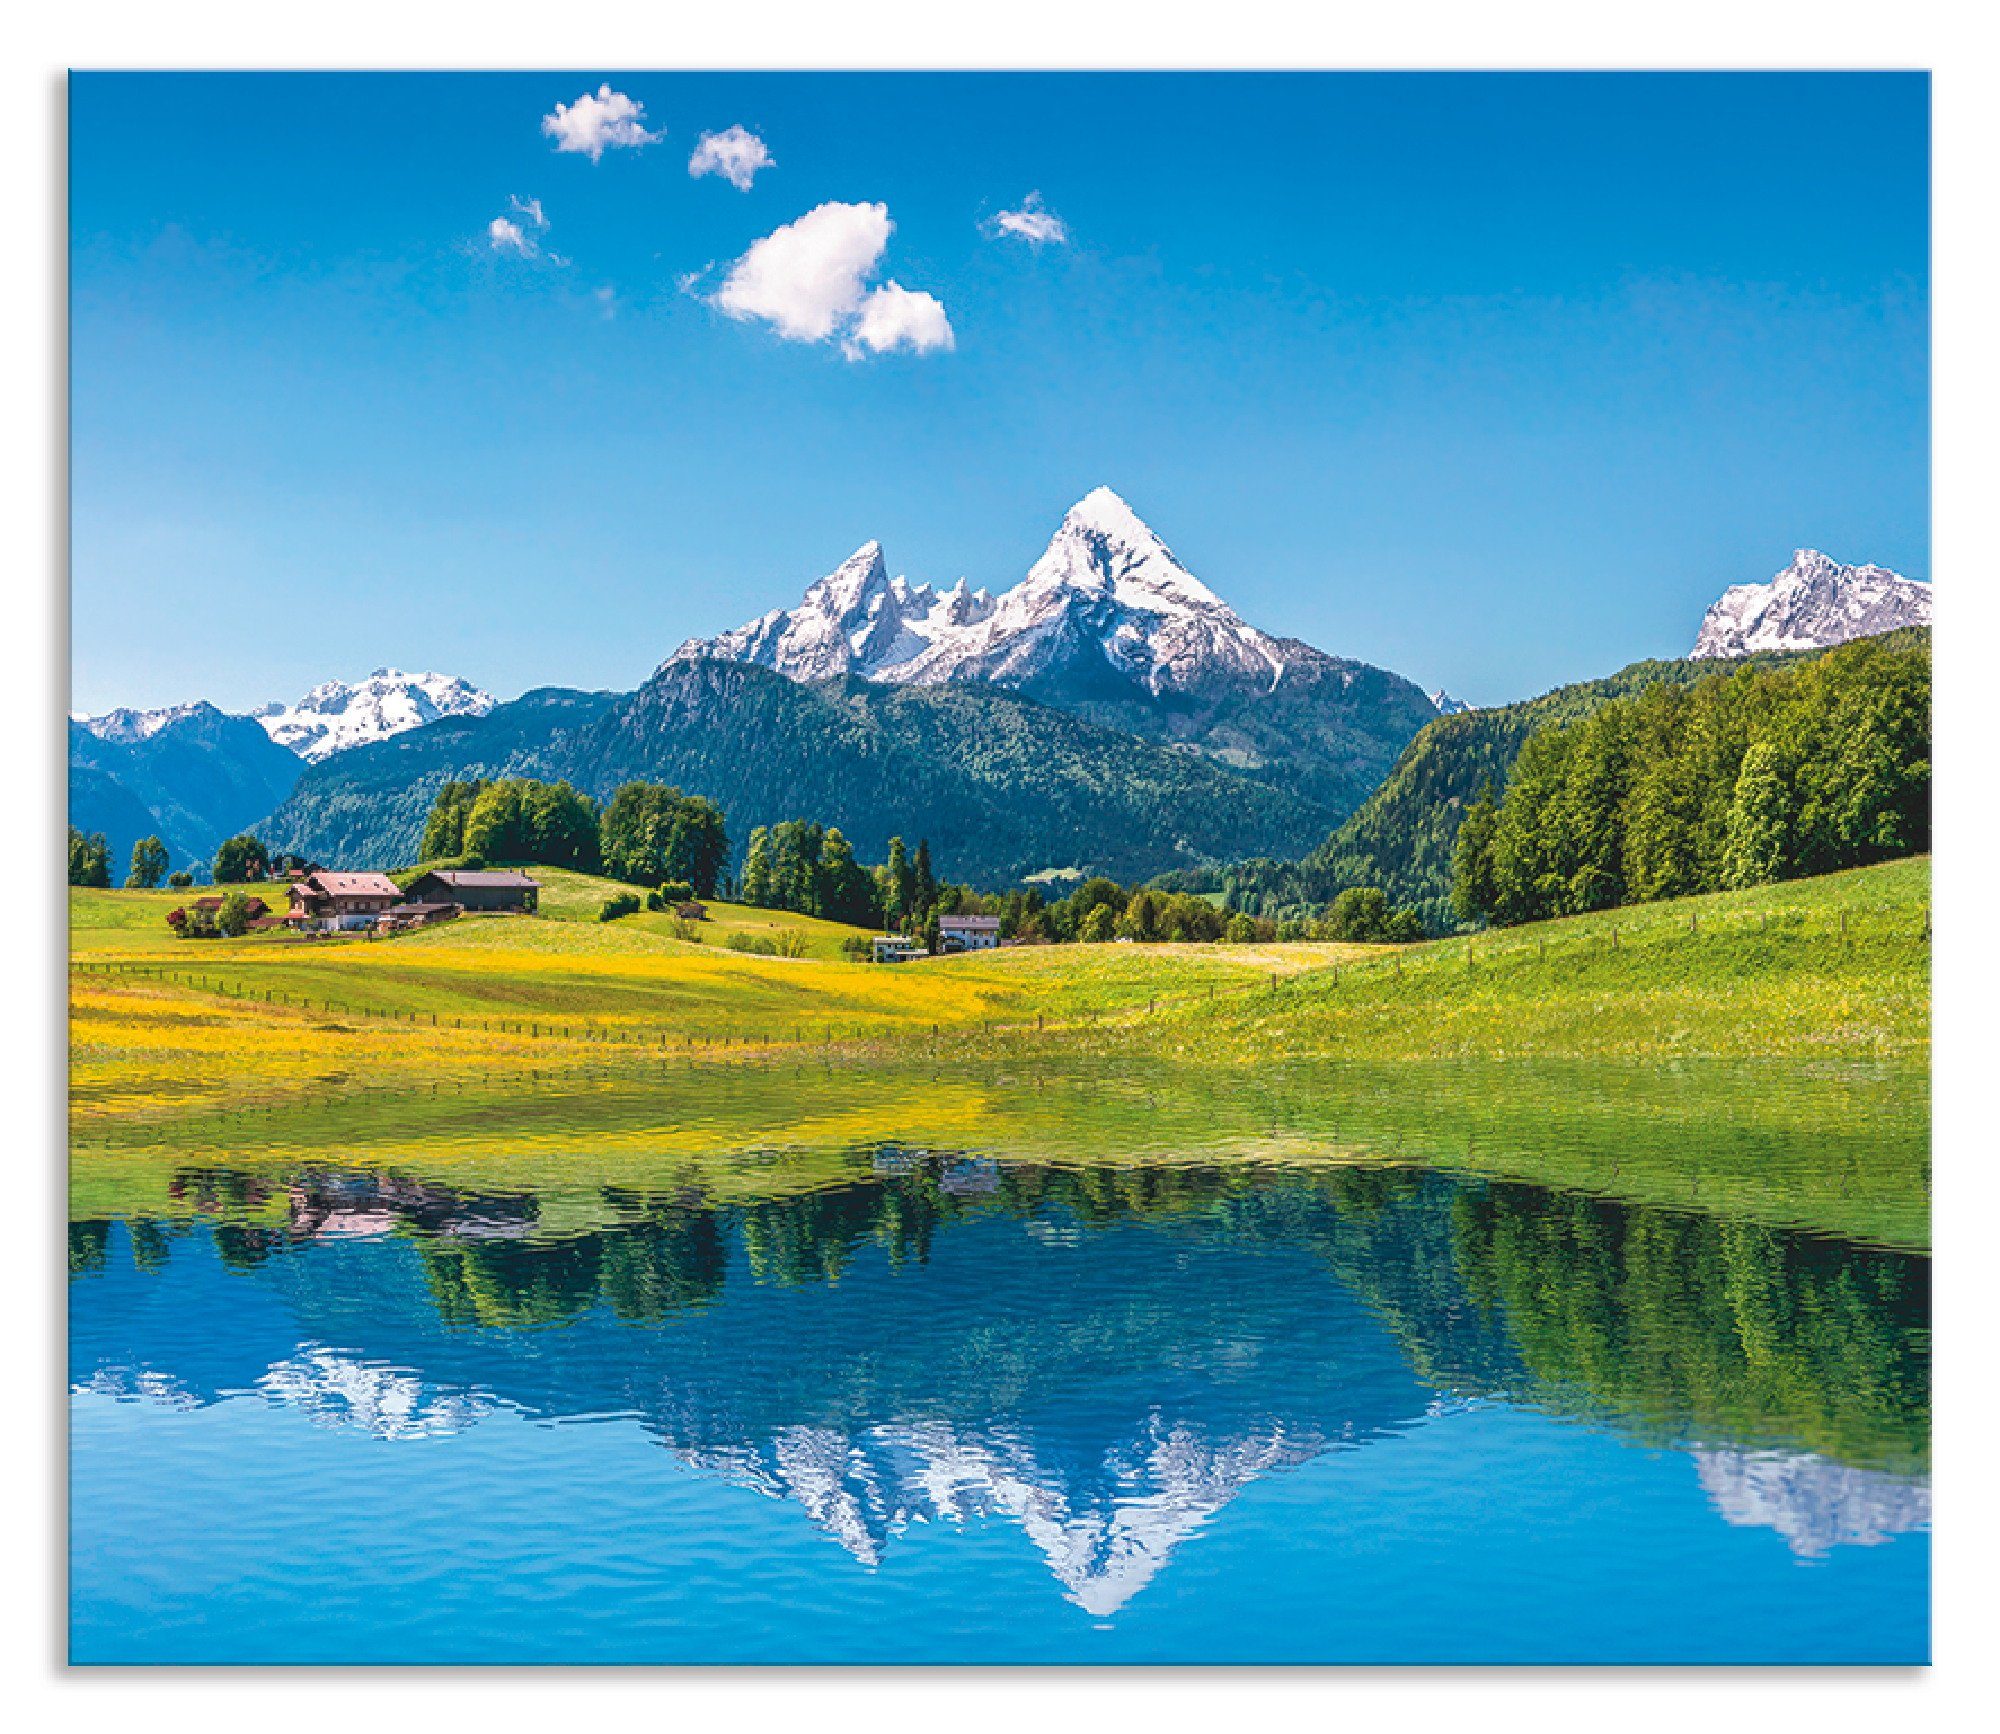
[968, 932]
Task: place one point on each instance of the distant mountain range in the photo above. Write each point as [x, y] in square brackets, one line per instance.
[1814, 603]
[192, 775]
[1002, 786]
[1109, 712]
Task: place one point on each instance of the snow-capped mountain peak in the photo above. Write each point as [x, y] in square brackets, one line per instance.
[126, 726]
[1103, 547]
[1812, 603]
[857, 577]
[1446, 705]
[1107, 595]
[338, 714]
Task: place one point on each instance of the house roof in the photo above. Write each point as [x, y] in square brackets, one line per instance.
[355, 885]
[971, 923]
[488, 881]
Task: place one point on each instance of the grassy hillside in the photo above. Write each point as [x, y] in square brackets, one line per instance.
[1836, 968]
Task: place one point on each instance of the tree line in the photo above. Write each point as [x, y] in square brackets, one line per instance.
[646, 834]
[1741, 779]
[809, 868]
[90, 862]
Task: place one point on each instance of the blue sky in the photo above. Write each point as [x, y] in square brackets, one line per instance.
[1494, 380]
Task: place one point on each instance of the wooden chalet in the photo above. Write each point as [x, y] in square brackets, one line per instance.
[481, 889]
[326, 902]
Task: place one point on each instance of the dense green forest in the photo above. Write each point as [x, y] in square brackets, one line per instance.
[1402, 837]
[1744, 778]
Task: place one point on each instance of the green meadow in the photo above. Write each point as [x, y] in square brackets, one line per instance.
[1761, 1052]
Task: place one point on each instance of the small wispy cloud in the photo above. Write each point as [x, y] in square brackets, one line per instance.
[504, 235]
[520, 234]
[592, 125]
[736, 155]
[1034, 223]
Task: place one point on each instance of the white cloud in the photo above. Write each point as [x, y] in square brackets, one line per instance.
[735, 155]
[893, 317]
[610, 120]
[504, 235]
[810, 281]
[808, 277]
[529, 208]
[1033, 223]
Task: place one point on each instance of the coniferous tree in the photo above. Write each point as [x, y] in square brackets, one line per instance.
[1472, 859]
[900, 888]
[757, 883]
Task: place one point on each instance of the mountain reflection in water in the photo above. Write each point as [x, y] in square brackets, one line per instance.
[1103, 1357]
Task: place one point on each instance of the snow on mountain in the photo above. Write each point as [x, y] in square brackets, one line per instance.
[1105, 1527]
[1106, 586]
[337, 1389]
[1814, 602]
[337, 715]
[1446, 705]
[126, 727]
[1815, 1504]
[855, 620]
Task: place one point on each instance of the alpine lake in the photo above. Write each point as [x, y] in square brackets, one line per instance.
[1009, 1363]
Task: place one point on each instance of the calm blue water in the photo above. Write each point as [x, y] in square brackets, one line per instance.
[973, 1411]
